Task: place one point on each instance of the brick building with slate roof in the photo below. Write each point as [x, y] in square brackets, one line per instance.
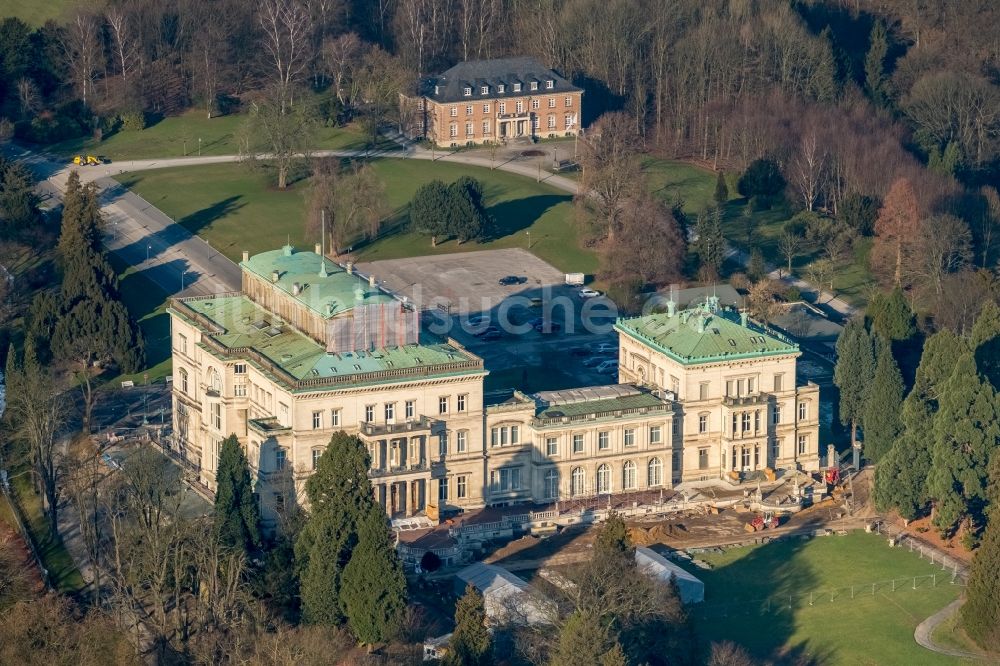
[482, 101]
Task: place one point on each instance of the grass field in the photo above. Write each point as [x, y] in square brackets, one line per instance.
[235, 210]
[37, 12]
[177, 136]
[147, 303]
[760, 597]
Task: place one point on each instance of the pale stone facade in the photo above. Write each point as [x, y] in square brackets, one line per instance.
[240, 368]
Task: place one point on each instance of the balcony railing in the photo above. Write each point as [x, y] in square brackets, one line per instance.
[377, 472]
[412, 425]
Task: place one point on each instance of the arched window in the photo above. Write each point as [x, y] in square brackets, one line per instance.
[628, 475]
[604, 479]
[577, 480]
[183, 374]
[551, 489]
[654, 473]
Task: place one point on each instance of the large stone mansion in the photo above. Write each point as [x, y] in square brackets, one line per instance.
[486, 101]
[309, 347]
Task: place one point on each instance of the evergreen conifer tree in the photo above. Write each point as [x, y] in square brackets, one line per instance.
[710, 245]
[881, 415]
[613, 541]
[981, 612]
[901, 476]
[891, 316]
[854, 373]
[721, 188]
[985, 341]
[471, 643]
[875, 77]
[237, 517]
[966, 435]
[373, 592]
[583, 639]
[339, 494]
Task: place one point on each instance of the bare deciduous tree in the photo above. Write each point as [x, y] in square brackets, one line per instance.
[282, 137]
[124, 43]
[611, 173]
[82, 50]
[286, 29]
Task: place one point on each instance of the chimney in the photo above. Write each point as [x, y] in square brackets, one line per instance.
[371, 280]
[246, 256]
[318, 250]
[349, 267]
[296, 289]
[743, 318]
[671, 306]
[287, 250]
[275, 275]
[701, 323]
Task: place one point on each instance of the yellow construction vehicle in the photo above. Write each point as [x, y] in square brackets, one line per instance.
[88, 160]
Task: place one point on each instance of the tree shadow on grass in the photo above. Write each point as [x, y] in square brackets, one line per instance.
[755, 599]
[200, 219]
[511, 217]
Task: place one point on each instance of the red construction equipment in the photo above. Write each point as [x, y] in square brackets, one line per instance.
[832, 477]
[759, 522]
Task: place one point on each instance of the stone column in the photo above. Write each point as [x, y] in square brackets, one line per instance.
[408, 496]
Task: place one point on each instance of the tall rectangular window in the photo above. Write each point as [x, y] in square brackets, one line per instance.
[240, 369]
[410, 408]
[443, 405]
[535, 103]
[603, 440]
[703, 458]
[803, 444]
[629, 437]
[654, 435]
[462, 486]
[803, 411]
[443, 444]
[577, 443]
[443, 489]
[569, 101]
[390, 412]
[316, 455]
[369, 413]
[514, 434]
[703, 391]
[217, 416]
[279, 459]
[468, 129]
[703, 423]
[462, 400]
[779, 380]
[551, 446]
[468, 109]
[777, 413]
[486, 108]
[746, 421]
[182, 343]
[503, 107]
[317, 420]
[462, 441]
[334, 417]
[453, 111]
[519, 106]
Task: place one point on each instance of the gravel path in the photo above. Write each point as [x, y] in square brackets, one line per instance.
[923, 632]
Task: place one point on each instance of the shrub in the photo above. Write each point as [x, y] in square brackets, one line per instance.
[133, 121]
[762, 179]
[792, 294]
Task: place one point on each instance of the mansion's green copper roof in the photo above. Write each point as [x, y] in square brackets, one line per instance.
[700, 335]
[329, 296]
[241, 328]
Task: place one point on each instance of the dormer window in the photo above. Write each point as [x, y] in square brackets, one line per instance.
[549, 84]
[501, 88]
[517, 87]
[534, 85]
[437, 90]
[485, 90]
[467, 91]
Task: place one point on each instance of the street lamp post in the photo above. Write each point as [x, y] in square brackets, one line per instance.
[148, 248]
[529, 239]
[183, 272]
[199, 146]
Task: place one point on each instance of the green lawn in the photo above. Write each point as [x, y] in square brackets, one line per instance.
[235, 210]
[760, 597]
[147, 303]
[58, 562]
[177, 136]
[670, 179]
[37, 12]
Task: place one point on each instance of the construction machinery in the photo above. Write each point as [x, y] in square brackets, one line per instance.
[87, 160]
[832, 476]
[762, 522]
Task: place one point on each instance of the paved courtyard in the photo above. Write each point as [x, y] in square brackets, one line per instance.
[465, 281]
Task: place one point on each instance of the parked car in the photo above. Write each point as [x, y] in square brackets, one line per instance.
[589, 293]
[490, 334]
[604, 348]
[608, 367]
[489, 330]
[110, 462]
[477, 321]
[595, 361]
[508, 280]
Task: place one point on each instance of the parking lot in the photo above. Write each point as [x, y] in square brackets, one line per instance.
[534, 334]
